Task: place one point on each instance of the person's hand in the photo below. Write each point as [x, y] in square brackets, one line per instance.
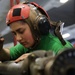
[24, 56]
[1, 43]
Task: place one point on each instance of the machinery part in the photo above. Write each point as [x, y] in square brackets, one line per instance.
[64, 63]
[42, 63]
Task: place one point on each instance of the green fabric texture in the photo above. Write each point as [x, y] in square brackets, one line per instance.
[48, 42]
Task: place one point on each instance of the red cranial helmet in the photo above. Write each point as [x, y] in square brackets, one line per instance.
[21, 11]
[18, 12]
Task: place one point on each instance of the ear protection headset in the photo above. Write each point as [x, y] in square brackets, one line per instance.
[22, 11]
[44, 25]
[42, 19]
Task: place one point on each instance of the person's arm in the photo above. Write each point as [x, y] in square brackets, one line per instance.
[4, 53]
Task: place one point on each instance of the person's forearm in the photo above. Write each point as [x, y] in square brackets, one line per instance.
[4, 55]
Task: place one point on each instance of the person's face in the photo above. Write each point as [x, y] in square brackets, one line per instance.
[22, 33]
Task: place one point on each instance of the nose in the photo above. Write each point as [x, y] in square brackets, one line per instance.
[18, 37]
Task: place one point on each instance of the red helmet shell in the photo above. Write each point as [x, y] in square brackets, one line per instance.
[24, 13]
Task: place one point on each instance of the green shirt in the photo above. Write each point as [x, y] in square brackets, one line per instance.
[48, 42]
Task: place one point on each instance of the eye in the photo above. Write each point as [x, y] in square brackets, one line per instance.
[21, 31]
[13, 33]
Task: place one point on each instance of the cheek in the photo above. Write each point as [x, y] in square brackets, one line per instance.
[28, 36]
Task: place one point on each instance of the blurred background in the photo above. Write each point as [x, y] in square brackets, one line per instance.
[63, 10]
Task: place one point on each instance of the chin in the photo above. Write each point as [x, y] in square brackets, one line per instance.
[26, 46]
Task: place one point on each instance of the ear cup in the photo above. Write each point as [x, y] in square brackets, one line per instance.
[44, 25]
